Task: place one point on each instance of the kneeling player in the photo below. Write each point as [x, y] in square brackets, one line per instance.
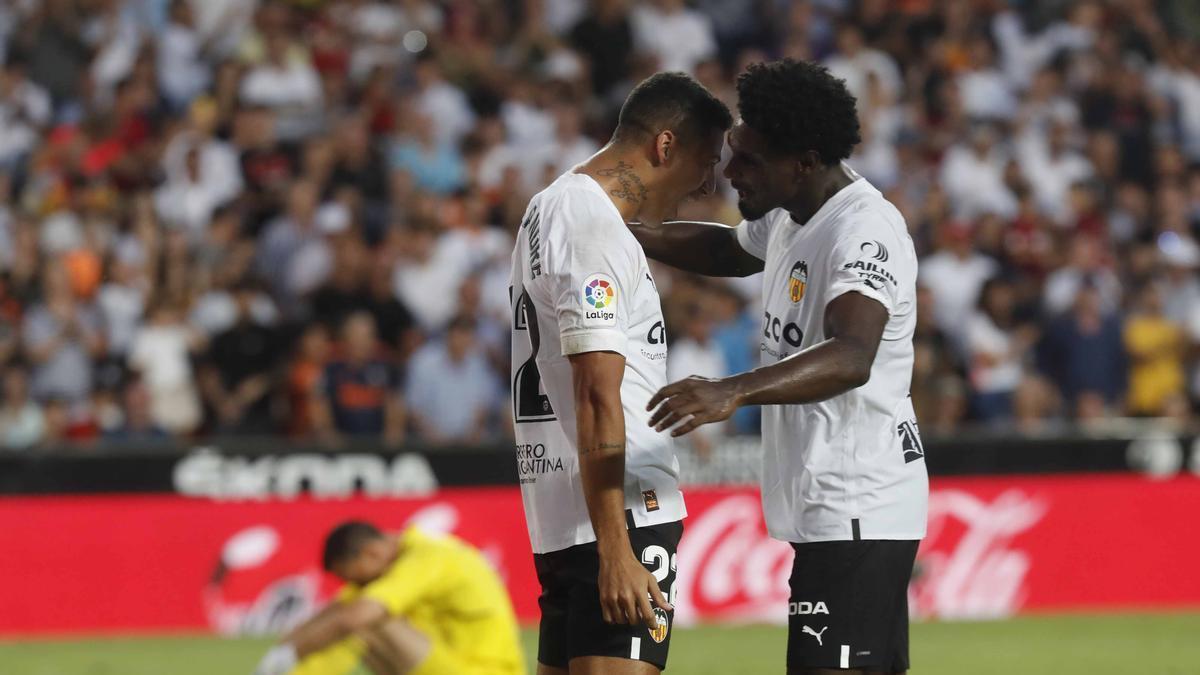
[425, 605]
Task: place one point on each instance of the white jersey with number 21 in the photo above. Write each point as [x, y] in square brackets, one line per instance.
[850, 467]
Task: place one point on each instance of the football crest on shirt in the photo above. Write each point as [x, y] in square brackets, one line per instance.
[662, 625]
[798, 281]
[600, 299]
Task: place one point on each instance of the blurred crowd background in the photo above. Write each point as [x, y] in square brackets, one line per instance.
[259, 217]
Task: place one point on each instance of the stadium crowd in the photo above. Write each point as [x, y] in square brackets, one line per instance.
[270, 217]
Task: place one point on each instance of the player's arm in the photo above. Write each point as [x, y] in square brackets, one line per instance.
[710, 249]
[338, 621]
[854, 325]
[625, 585]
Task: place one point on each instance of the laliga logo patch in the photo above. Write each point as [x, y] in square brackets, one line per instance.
[600, 299]
[599, 292]
[659, 632]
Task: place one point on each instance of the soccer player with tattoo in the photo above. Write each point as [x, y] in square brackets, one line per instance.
[600, 487]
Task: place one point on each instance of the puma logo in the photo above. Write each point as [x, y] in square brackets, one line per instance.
[815, 634]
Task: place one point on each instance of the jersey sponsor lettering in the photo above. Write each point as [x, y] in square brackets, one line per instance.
[805, 607]
[532, 462]
[534, 225]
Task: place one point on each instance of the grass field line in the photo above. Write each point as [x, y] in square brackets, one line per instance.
[1076, 644]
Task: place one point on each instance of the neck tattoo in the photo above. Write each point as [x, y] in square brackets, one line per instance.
[631, 187]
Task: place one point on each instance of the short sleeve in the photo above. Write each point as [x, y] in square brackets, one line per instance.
[872, 265]
[591, 280]
[753, 236]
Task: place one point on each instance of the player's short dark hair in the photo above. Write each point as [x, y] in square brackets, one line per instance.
[674, 101]
[346, 541]
[799, 106]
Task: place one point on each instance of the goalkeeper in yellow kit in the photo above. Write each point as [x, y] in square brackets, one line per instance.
[413, 605]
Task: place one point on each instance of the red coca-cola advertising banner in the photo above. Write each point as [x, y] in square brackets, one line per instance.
[996, 546]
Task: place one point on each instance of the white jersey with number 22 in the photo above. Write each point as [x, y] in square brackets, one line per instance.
[580, 283]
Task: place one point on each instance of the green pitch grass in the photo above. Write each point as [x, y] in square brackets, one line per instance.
[1150, 644]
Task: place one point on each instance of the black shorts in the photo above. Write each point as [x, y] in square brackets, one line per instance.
[849, 605]
[572, 623]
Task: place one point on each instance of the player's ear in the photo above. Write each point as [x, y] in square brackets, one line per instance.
[808, 162]
[665, 145]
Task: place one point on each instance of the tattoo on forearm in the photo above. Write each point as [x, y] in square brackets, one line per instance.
[631, 187]
[602, 447]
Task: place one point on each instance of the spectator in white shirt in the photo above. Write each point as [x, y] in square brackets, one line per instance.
[996, 349]
[540, 165]
[313, 262]
[24, 112]
[1052, 165]
[1086, 266]
[183, 72]
[21, 421]
[122, 298]
[432, 263]
[973, 176]
[986, 93]
[955, 275]
[226, 23]
[1023, 54]
[1180, 256]
[435, 258]
[854, 62]
[443, 103]
[379, 28]
[1179, 81]
[162, 355]
[219, 168]
[571, 146]
[875, 157]
[187, 200]
[117, 39]
[527, 123]
[677, 36]
[288, 84]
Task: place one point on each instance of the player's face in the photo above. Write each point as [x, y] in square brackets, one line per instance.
[370, 564]
[764, 180]
[694, 171]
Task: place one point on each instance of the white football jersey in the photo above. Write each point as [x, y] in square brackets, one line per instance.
[851, 467]
[580, 283]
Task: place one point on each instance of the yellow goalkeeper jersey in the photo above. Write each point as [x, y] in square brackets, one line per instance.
[446, 589]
